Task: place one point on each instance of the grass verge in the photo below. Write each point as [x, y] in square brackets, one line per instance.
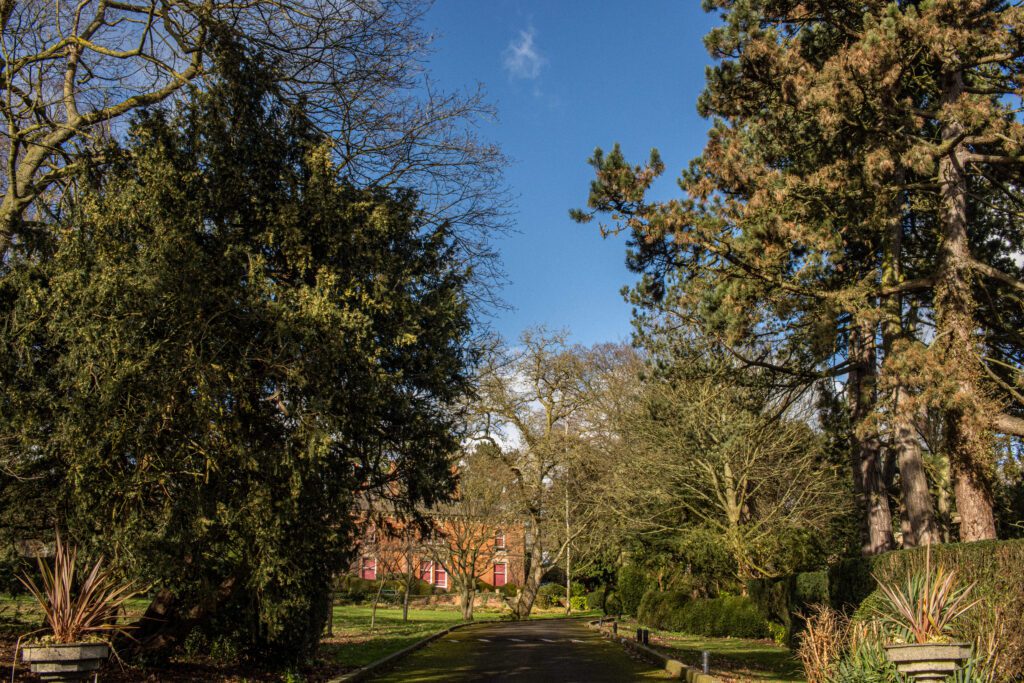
[731, 659]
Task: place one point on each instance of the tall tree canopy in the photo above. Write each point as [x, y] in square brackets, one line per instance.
[854, 216]
[217, 350]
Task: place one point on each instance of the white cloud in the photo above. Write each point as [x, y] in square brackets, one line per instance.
[522, 58]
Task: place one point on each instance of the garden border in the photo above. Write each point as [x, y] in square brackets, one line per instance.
[673, 667]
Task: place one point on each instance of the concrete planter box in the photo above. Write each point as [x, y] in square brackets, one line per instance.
[928, 662]
[71, 662]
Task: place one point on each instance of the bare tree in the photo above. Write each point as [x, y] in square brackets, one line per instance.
[696, 456]
[465, 542]
[72, 72]
[533, 398]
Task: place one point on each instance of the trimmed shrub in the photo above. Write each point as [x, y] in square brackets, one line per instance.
[657, 608]
[578, 603]
[613, 605]
[631, 585]
[728, 615]
[509, 590]
[595, 599]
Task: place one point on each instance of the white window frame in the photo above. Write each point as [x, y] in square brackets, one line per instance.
[504, 574]
[363, 567]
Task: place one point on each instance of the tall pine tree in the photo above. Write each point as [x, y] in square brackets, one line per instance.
[852, 216]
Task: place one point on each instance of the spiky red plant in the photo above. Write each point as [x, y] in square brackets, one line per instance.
[75, 611]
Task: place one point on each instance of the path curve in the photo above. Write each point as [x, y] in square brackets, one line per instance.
[540, 651]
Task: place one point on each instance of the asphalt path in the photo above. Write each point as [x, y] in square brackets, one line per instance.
[540, 651]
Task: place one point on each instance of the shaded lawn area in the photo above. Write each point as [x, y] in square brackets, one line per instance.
[731, 659]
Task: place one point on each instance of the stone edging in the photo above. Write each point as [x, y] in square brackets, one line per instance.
[363, 672]
[674, 667]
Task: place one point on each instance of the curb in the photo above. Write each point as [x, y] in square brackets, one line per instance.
[674, 667]
[363, 672]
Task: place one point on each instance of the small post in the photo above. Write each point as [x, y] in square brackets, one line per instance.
[705, 662]
[639, 635]
[615, 628]
[647, 637]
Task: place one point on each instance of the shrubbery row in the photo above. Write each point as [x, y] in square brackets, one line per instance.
[726, 615]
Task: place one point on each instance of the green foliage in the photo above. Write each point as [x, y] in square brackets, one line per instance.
[783, 600]
[631, 584]
[658, 607]
[613, 605]
[993, 566]
[226, 343]
[578, 603]
[727, 615]
[778, 633]
[595, 599]
[866, 663]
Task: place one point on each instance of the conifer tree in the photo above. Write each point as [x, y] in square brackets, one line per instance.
[223, 348]
[850, 217]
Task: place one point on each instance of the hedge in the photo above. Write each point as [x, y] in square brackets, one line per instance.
[995, 567]
[631, 584]
[727, 615]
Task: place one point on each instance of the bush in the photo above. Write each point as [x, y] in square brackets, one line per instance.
[552, 594]
[728, 615]
[578, 603]
[658, 607]
[783, 600]
[509, 590]
[595, 599]
[613, 605]
[632, 584]
[993, 566]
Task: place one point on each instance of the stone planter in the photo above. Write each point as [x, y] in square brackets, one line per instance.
[70, 662]
[928, 662]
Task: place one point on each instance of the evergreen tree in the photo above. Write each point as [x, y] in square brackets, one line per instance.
[223, 346]
[849, 218]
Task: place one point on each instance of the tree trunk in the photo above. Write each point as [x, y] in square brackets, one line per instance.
[917, 498]
[917, 514]
[866, 449]
[568, 558]
[467, 594]
[534, 572]
[969, 416]
[166, 622]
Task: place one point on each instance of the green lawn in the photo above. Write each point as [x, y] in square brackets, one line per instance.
[731, 658]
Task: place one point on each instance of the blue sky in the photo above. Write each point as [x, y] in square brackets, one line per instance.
[567, 76]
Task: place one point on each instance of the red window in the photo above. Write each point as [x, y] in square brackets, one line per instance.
[369, 569]
[440, 577]
[499, 539]
[499, 574]
[426, 571]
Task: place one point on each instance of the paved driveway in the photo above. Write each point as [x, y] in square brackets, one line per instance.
[541, 651]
